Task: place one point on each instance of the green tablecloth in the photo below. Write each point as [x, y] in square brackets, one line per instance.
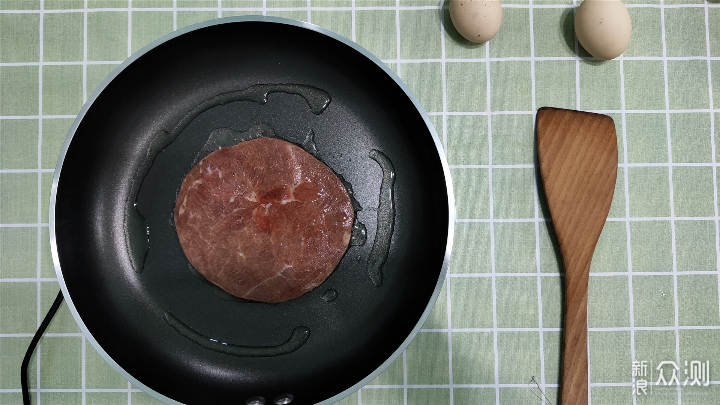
[654, 284]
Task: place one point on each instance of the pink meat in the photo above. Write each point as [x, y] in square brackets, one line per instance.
[263, 220]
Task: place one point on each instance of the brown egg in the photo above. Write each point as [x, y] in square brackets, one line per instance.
[603, 28]
[476, 20]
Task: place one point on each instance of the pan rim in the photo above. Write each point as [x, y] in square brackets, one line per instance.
[226, 20]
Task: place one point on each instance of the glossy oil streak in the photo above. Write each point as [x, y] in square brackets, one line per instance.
[299, 336]
[385, 218]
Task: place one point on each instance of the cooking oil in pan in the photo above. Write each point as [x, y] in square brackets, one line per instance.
[385, 218]
[358, 235]
[330, 295]
[137, 230]
[297, 338]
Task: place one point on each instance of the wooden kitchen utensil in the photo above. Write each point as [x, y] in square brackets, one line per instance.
[577, 152]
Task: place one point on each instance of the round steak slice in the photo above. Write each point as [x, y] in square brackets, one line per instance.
[263, 220]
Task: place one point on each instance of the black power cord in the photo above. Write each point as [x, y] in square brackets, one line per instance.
[33, 344]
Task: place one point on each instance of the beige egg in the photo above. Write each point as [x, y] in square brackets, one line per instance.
[476, 20]
[603, 28]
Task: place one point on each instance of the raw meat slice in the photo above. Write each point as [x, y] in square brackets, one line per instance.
[263, 220]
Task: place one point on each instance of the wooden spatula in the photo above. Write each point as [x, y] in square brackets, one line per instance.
[578, 156]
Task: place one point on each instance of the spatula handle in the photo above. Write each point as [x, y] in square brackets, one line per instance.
[575, 355]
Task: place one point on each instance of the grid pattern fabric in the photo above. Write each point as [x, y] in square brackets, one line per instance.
[494, 334]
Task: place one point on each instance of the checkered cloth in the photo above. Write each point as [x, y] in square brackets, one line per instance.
[494, 334]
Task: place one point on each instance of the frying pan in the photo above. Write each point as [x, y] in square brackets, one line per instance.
[117, 256]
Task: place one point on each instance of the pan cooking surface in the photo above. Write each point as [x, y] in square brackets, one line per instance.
[140, 303]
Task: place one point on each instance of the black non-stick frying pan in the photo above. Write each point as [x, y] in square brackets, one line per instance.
[123, 272]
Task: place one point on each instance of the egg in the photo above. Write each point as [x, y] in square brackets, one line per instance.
[603, 28]
[476, 20]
